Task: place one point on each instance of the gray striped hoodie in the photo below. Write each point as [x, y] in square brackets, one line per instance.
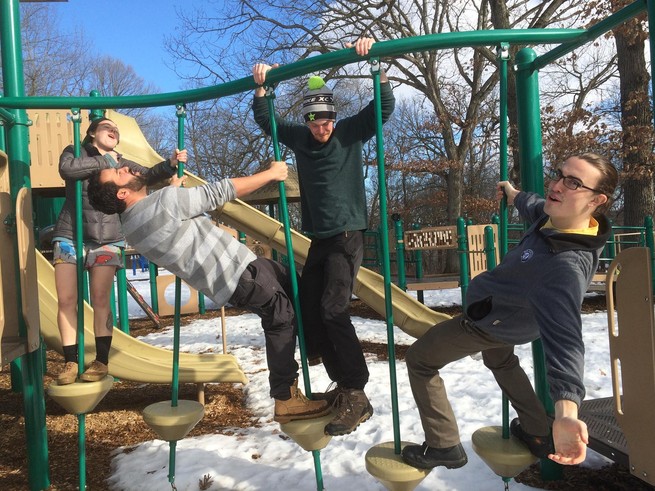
[169, 227]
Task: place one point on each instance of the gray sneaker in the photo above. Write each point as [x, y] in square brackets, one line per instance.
[353, 408]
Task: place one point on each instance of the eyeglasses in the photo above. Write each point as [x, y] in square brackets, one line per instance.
[570, 182]
[109, 129]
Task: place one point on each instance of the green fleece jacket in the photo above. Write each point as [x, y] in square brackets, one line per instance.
[331, 176]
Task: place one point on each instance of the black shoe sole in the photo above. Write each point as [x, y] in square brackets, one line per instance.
[338, 432]
[447, 464]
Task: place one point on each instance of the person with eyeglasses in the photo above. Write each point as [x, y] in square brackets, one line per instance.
[104, 244]
[535, 292]
[334, 215]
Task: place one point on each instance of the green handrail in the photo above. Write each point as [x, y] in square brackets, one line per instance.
[391, 48]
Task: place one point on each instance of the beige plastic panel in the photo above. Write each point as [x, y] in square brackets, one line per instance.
[477, 256]
[50, 133]
[27, 267]
[165, 308]
[11, 344]
[632, 352]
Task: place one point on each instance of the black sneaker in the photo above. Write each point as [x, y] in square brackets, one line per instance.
[353, 408]
[425, 457]
[539, 446]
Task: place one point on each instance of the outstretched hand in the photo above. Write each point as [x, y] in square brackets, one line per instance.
[571, 438]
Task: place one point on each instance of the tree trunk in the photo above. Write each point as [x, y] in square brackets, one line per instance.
[636, 119]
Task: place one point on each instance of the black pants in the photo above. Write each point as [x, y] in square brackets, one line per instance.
[326, 288]
[265, 289]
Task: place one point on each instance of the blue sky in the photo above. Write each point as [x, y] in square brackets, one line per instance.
[130, 30]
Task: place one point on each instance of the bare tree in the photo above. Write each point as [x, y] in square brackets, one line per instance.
[637, 122]
[53, 61]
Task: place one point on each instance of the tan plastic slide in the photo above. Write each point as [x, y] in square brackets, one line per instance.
[129, 358]
[408, 314]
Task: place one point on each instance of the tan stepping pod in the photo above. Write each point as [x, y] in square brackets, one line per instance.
[388, 467]
[507, 457]
[173, 423]
[80, 397]
[309, 433]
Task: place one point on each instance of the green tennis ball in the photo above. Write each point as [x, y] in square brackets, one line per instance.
[315, 82]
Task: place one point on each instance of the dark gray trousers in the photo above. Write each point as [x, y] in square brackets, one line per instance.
[265, 289]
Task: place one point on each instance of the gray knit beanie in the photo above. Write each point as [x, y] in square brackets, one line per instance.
[318, 102]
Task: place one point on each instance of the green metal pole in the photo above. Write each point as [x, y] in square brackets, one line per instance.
[462, 249]
[503, 58]
[17, 140]
[400, 251]
[532, 179]
[418, 258]
[284, 218]
[648, 225]
[172, 445]
[79, 249]
[181, 114]
[386, 267]
[152, 276]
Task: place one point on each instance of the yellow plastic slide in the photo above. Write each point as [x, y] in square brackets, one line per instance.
[408, 314]
[129, 358]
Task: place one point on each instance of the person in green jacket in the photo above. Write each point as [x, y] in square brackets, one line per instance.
[334, 215]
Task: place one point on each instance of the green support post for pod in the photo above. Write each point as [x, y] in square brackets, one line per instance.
[284, 218]
[400, 251]
[532, 179]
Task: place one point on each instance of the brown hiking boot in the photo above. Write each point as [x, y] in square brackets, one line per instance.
[68, 375]
[353, 408]
[298, 407]
[96, 371]
[330, 395]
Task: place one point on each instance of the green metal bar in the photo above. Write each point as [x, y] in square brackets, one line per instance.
[284, 218]
[503, 58]
[123, 310]
[462, 248]
[418, 259]
[648, 224]
[152, 276]
[394, 47]
[7, 116]
[593, 32]
[532, 179]
[79, 261]
[181, 114]
[172, 445]
[400, 251]
[386, 267]
[17, 139]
